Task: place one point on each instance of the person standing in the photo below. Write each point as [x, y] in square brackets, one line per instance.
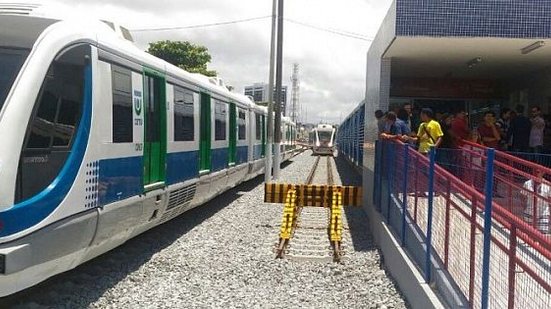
[429, 132]
[448, 140]
[519, 131]
[536, 132]
[380, 117]
[459, 127]
[446, 155]
[412, 120]
[409, 119]
[488, 132]
[502, 125]
[536, 212]
[394, 127]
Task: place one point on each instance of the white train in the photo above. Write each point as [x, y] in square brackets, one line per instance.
[102, 141]
[324, 139]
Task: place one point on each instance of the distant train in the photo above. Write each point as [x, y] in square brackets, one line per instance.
[102, 141]
[324, 136]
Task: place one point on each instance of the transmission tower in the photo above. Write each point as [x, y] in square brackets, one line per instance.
[295, 95]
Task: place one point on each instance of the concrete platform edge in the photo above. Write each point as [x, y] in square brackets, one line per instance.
[410, 281]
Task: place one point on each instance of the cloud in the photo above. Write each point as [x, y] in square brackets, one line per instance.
[332, 66]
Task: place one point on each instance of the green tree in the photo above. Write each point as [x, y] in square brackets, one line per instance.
[190, 57]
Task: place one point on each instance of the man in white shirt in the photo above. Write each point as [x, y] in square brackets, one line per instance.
[538, 192]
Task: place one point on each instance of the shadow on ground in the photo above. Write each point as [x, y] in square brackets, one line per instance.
[356, 216]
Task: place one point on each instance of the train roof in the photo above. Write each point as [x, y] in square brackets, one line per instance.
[26, 31]
[287, 120]
[261, 109]
[325, 126]
[22, 31]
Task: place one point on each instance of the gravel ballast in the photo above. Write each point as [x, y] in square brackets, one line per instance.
[221, 255]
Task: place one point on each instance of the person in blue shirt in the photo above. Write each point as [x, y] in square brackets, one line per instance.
[394, 127]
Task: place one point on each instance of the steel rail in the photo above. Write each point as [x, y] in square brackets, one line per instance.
[310, 178]
[330, 180]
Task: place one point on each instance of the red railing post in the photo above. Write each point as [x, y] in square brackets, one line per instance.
[534, 205]
[510, 198]
[472, 254]
[470, 168]
[512, 265]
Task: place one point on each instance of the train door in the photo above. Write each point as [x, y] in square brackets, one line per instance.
[155, 130]
[205, 133]
[233, 138]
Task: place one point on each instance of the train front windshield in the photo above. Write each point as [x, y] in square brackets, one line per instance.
[11, 61]
[325, 136]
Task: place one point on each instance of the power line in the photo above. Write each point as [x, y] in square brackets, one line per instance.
[202, 25]
[333, 31]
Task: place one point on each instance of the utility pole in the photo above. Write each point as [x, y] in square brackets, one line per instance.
[270, 122]
[295, 95]
[279, 76]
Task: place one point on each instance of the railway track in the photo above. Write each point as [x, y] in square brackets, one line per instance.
[311, 239]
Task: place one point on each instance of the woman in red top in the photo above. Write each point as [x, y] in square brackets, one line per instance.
[489, 134]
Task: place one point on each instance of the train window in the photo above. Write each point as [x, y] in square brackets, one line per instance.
[122, 105]
[10, 64]
[41, 132]
[241, 124]
[55, 119]
[183, 115]
[258, 126]
[325, 136]
[220, 112]
[69, 109]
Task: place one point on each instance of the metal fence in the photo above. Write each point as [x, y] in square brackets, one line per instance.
[520, 186]
[491, 255]
[350, 136]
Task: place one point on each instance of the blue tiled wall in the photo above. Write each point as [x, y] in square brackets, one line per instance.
[474, 18]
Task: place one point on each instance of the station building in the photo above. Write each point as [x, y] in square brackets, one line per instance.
[259, 94]
[458, 54]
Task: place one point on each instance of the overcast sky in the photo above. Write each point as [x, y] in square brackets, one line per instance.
[332, 67]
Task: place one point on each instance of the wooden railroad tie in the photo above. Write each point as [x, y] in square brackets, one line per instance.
[296, 196]
[312, 195]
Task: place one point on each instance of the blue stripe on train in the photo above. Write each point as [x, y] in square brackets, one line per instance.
[242, 154]
[219, 159]
[32, 211]
[119, 178]
[182, 166]
[257, 152]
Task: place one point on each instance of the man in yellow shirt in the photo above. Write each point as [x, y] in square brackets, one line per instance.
[429, 133]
